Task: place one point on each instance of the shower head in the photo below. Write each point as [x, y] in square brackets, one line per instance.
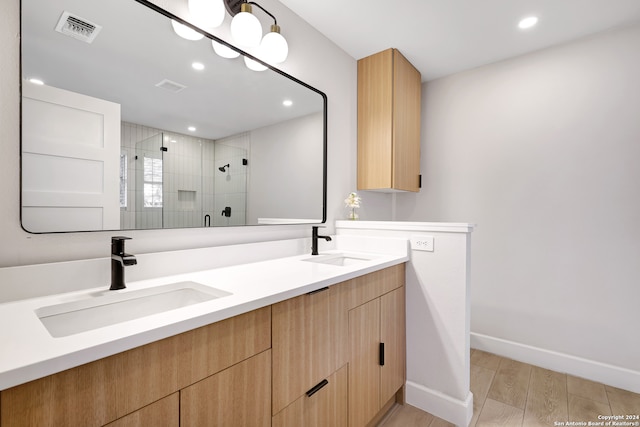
[224, 168]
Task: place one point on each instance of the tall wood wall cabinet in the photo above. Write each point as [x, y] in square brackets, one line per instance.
[389, 92]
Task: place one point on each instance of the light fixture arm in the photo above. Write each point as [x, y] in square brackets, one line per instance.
[234, 7]
[275, 21]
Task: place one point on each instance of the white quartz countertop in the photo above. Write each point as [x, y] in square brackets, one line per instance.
[30, 352]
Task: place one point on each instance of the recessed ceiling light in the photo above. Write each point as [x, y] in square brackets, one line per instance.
[287, 103]
[198, 66]
[36, 81]
[528, 22]
[192, 128]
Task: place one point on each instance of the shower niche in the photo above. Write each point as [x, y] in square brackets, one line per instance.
[171, 180]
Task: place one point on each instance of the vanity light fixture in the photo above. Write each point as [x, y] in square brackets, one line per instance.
[245, 28]
[273, 48]
[528, 22]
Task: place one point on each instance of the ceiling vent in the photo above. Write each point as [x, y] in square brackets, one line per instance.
[78, 28]
[170, 86]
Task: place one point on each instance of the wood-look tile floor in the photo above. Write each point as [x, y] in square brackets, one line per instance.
[514, 394]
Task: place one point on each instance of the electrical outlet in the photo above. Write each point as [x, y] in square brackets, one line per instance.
[420, 242]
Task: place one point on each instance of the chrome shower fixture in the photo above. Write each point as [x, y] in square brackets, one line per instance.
[224, 168]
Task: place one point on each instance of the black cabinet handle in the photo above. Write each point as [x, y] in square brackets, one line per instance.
[318, 290]
[381, 354]
[317, 388]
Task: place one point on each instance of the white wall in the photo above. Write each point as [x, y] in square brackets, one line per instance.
[542, 152]
[312, 58]
[278, 168]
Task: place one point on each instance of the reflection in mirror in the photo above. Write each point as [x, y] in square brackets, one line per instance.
[122, 132]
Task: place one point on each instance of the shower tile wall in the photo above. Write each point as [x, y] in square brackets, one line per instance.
[193, 186]
[183, 181]
[230, 186]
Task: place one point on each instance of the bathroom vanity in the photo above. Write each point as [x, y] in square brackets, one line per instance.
[295, 339]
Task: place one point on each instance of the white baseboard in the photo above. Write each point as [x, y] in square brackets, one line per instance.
[441, 405]
[615, 376]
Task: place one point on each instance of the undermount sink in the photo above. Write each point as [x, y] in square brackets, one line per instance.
[337, 259]
[110, 307]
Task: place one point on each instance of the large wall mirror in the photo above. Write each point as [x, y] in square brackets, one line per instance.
[122, 132]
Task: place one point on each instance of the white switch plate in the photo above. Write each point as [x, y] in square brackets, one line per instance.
[421, 242]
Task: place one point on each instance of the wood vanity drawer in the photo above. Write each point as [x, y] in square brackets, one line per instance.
[326, 407]
[373, 285]
[237, 396]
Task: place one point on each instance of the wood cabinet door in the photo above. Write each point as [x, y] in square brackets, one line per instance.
[326, 407]
[392, 334]
[309, 343]
[364, 363]
[375, 121]
[407, 89]
[237, 396]
[163, 413]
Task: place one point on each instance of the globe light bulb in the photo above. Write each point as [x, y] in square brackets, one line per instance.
[207, 13]
[245, 28]
[274, 47]
[185, 32]
[253, 65]
[224, 51]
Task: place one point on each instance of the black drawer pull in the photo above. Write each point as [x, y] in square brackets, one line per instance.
[317, 388]
[318, 290]
[381, 354]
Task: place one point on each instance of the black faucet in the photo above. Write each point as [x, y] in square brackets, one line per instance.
[119, 260]
[314, 239]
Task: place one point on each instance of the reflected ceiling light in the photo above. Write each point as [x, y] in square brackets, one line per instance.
[36, 81]
[274, 47]
[245, 27]
[528, 22]
[185, 32]
[253, 65]
[198, 66]
[191, 128]
[207, 13]
[287, 103]
[224, 51]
